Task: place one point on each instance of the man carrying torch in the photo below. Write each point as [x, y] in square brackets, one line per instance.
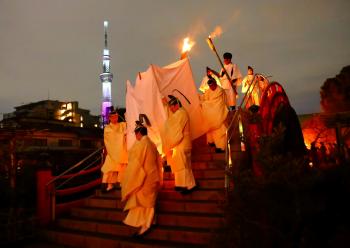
[230, 76]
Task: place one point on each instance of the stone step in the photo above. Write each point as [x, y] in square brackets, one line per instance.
[81, 239]
[210, 207]
[182, 220]
[214, 183]
[200, 174]
[165, 194]
[206, 165]
[203, 149]
[189, 235]
[162, 218]
[201, 141]
[98, 213]
[38, 244]
[207, 183]
[200, 194]
[99, 202]
[208, 157]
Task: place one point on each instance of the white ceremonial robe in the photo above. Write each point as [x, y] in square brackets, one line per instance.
[234, 73]
[263, 83]
[215, 113]
[141, 183]
[176, 138]
[117, 156]
[204, 84]
[254, 92]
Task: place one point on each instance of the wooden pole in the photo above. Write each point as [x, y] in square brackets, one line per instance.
[212, 46]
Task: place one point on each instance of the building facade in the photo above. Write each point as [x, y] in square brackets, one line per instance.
[50, 112]
[59, 130]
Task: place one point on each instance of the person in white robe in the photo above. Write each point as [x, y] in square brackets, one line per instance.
[215, 112]
[117, 156]
[236, 77]
[176, 141]
[263, 83]
[248, 85]
[204, 84]
[141, 182]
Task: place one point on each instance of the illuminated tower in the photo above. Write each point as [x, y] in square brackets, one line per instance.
[106, 79]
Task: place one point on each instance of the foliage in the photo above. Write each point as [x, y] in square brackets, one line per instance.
[335, 92]
[290, 205]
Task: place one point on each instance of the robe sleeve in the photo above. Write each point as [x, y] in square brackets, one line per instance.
[173, 129]
[214, 108]
[245, 85]
[115, 142]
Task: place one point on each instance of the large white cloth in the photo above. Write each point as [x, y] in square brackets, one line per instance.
[215, 113]
[234, 73]
[145, 97]
[117, 157]
[177, 139]
[141, 183]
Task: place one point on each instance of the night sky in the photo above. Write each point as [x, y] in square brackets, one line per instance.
[52, 49]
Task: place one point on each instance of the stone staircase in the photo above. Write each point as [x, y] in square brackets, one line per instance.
[182, 220]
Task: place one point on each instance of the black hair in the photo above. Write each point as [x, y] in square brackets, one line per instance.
[141, 130]
[227, 55]
[211, 81]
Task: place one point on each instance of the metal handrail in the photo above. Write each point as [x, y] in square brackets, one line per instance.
[234, 121]
[77, 174]
[74, 166]
[245, 97]
[53, 189]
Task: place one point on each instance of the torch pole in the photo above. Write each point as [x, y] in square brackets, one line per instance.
[183, 55]
[212, 46]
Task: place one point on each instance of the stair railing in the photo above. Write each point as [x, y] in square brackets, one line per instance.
[90, 164]
[237, 121]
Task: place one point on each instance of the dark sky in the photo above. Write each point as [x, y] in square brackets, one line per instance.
[53, 49]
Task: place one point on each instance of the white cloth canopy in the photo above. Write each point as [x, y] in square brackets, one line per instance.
[146, 98]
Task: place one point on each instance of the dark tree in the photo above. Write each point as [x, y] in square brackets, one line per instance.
[335, 92]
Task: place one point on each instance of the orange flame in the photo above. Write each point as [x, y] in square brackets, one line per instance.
[216, 33]
[187, 45]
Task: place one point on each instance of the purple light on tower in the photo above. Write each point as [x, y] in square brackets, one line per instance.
[106, 79]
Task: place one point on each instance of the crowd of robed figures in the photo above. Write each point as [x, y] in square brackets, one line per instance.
[139, 170]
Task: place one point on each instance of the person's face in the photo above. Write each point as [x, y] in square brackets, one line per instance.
[174, 108]
[138, 135]
[227, 61]
[250, 72]
[209, 72]
[113, 119]
[213, 86]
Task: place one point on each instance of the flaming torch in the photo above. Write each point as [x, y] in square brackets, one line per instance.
[212, 47]
[186, 47]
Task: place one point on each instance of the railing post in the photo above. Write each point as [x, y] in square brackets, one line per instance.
[255, 133]
[53, 203]
[43, 206]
